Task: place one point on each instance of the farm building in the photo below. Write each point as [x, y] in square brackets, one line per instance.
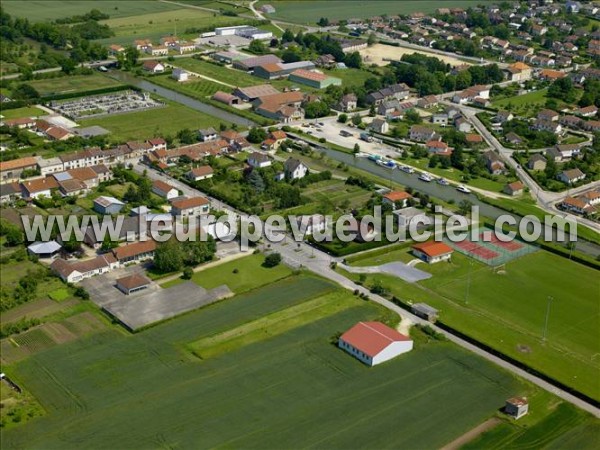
[133, 283]
[108, 205]
[314, 79]
[374, 343]
[516, 407]
[432, 252]
[253, 92]
[224, 97]
[425, 311]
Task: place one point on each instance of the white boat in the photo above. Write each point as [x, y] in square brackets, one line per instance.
[463, 189]
[443, 181]
[425, 177]
[407, 169]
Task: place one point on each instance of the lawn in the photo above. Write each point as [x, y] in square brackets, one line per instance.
[162, 121]
[309, 12]
[46, 10]
[250, 275]
[18, 113]
[507, 310]
[59, 294]
[284, 391]
[71, 84]
[523, 105]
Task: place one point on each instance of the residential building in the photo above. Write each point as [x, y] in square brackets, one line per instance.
[189, 207]
[438, 148]
[208, 134]
[514, 189]
[462, 125]
[348, 103]
[153, 67]
[514, 139]
[164, 190]
[10, 192]
[11, 170]
[295, 169]
[180, 74]
[398, 91]
[493, 163]
[134, 252]
[421, 133]
[571, 176]
[50, 165]
[379, 126]
[407, 216]
[396, 199]
[40, 187]
[259, 160]
[432, 252]
[374, 343]
[200, 173]
[73, 272]
[536, 162]
[429, 101]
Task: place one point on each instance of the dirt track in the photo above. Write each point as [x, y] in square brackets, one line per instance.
[377, 53]
[472, 434]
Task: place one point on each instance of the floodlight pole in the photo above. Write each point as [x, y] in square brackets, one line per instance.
[550, 298]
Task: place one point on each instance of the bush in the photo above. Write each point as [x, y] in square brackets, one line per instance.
[82, 293]
[188, 272]
[272, 260]
[236, 270]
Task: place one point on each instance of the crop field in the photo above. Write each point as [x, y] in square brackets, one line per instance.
[72, 84]
[310, 11]
[162, 121]
[154, 25]
[46, 10]
[506, 309]
[142, 391]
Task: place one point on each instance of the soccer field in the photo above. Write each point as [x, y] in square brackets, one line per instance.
[294, 389]
[507, 310]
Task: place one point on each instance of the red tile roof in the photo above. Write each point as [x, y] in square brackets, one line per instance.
[188, 203]
[137, 248]
[20, 163]
[372, 337]
[395, 196]
[433, 248]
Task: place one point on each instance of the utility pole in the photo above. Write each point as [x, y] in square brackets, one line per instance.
[550, 298]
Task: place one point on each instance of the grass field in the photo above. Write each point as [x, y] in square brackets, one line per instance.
[294, 388]
[507, 311]
[155, 25]
[18, 113]
[310, 11]
[45, 10]
[75, 83]
[250, 275]
[523, 105]
[161, 121]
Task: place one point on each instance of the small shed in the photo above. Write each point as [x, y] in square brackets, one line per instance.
[108, 205]
[424, 311]
[133, 283]
[516, 407]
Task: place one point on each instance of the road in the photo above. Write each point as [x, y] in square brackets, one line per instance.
[302, 255]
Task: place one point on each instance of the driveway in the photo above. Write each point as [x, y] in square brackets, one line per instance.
[397, 269]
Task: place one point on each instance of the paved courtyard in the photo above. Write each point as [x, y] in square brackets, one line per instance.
[397, 269]
[150, 305]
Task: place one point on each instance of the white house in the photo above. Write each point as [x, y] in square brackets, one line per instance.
[153, 67]
[72, 272]
[164, 190]
[406, 216]
[180, 74]
[396, 199]
[187, 207]
[313, 223]
[571, 176]
[374, 343]
[200, 173]
[259, 160]
[432, 252]
[295, 169]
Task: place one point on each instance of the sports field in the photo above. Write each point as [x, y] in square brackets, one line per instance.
[288, 390]
[160, 121]
[310, 11]
[506, 309]
[45, 10]
[72, 84]
[27, 111]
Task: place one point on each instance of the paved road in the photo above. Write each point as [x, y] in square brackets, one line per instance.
[301, 255]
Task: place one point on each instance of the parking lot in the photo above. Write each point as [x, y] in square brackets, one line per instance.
[150, 305]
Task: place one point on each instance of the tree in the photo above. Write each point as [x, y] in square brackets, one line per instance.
[356, 149]
[272, 260]
[24, 92]
[197, 252]
[290, 56]
[464, 207]
[168, 257]
[316, 109]
[287, 36]
[14, 236]
[188, 273]
[186, 136]
[356, 119]
[372, 110]
[257, 46]
[353, 60]
[342, 118]
[412, 117]
[257, 135]
[256, 181]
[108, 244]
[323, 22]
[372, 39]
[132, 55]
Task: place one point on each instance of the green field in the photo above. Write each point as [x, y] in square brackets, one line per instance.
[250, 275]
[45, 10]
[507, 310]
[310, 11]
[155, 25]
[521, 104]
[71, 84]
[18, 113]
[160, 121]
[288, 390]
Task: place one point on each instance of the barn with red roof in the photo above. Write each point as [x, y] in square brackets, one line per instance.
[374, 343]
